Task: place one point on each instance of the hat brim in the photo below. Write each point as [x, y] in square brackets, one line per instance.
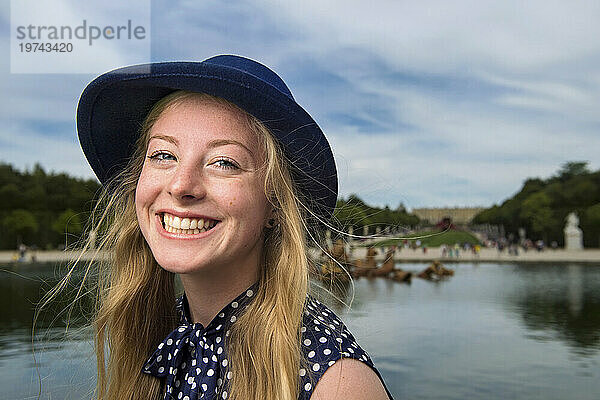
[113, 107]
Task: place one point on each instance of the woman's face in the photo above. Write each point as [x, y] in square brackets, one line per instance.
[200, 201]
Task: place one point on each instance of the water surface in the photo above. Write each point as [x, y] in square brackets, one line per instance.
[492, 331]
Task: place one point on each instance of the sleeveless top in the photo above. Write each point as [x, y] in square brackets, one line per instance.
[193, 362]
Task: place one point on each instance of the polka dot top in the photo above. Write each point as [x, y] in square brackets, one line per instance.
[193, 361]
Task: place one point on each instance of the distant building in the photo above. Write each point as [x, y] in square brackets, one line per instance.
[459, 215]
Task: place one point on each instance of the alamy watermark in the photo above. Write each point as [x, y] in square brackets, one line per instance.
[68, 36]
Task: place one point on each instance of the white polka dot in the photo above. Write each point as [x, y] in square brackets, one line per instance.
[330, 363]
[234, 304]
[219, 350]
[210, 372]
[322, 339]
[221, 315]
[302, 372]
[205, 360]
[311, 354]
[229, 375]
[183, 365]
[161, 370]
[169, 341]
[249, 293]
[316, 367]
[224, 395]
[198, 371]
[190, 380]
[214, 358]
[233, 318]
[327, 352]
[219, 382]
[218, 340]
[193, 385]
[224, 363]
[186, 398]
[339, 339]
[303, 329]
[193, 362]
[180, 395]
[307, 342]
[204, 387]
[307, 387]
[177, 383]
[159, 357]
[181, 329]
[160, 346]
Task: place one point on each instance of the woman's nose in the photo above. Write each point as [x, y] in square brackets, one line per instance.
[187, 183]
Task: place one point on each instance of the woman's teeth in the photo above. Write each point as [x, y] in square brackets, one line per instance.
[189, 226]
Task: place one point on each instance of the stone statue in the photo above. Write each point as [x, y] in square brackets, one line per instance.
[573, 234]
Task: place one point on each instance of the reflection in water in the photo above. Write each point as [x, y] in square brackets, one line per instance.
[575, 289]
[62, 359]
[563, 301]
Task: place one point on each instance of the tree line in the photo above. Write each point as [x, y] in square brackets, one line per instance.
[354, 212]
[48, 210]
[541, 206]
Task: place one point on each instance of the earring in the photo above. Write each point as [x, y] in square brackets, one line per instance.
[270, 223]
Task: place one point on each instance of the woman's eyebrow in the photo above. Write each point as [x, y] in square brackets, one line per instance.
[167, 138]
[223, 142]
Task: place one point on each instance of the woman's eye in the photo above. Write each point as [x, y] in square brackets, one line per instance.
[161, 156]
[225, 164]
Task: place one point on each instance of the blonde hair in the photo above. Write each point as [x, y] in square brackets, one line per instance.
[136, 298]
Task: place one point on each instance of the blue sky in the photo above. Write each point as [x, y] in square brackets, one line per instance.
[430, 103]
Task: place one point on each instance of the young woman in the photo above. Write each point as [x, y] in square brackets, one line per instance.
[211, 171]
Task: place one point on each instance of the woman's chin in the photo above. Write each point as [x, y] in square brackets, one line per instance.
[176, 265]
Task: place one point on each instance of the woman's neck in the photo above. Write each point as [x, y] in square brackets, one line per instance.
[208, 293]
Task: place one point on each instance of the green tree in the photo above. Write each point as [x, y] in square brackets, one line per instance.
[67, 222]
[20, 223]
[537, 213]
[591, 224]
[573, 168]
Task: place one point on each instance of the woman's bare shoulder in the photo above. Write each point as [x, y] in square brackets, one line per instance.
[349, 379]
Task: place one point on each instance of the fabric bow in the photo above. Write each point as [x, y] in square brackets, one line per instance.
[192, 359]
[189, 355]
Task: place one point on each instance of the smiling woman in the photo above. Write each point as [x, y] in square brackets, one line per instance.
[223, 185]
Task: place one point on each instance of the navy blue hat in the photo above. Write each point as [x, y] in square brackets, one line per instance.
[113, 106]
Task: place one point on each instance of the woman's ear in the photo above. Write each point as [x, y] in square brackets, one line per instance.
[272, 220]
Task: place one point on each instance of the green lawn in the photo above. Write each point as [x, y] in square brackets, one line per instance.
[437, 239]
